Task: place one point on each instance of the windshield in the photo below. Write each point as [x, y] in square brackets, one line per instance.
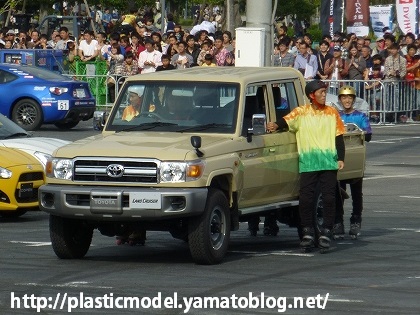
[209, 107]
[43, 73]
[8, 129]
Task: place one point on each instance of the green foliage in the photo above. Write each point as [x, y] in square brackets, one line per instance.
[303, 9]
[315, 32]
[185, 22]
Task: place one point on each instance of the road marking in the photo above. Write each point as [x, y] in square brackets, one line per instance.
[34, 244]
[279, 253]
[393, 140]
[410, 197]
[345, 300]
[415, 277]
[406, 229]
[74, 284]
[390, 176]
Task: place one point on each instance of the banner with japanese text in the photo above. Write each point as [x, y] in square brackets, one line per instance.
[331, 16]
[380, 16]
[357, 17]
[407, 14]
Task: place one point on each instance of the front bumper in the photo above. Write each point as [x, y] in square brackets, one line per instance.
[121, 203]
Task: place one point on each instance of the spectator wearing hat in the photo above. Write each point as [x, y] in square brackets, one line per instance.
[150, 58]
[379, 45]
[335, 68]
[10, 36]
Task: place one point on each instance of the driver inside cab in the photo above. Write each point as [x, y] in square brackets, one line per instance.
[135, 94]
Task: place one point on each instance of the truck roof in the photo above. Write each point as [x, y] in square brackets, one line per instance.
[222, 74]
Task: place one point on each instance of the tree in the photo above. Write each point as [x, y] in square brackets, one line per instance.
[302, 9]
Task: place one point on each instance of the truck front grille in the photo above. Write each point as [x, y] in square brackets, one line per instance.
[120, 171]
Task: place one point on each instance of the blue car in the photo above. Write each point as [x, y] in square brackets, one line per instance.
[32, 96]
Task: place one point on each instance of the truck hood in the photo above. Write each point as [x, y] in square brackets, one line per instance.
[174, 146]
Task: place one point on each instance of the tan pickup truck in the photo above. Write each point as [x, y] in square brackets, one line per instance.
[194, 160]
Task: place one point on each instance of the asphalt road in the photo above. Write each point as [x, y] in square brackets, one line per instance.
[378, 273]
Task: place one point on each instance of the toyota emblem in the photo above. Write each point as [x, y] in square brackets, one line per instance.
[115, 170]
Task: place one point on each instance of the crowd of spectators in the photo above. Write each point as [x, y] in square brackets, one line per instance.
[136, 45]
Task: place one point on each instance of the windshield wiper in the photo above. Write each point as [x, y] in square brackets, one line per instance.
[148, 126]
[17, 135]
[204, 127]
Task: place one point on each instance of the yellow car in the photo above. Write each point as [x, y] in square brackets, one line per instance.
[20, 177]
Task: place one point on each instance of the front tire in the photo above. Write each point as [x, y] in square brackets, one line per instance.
[209, 233]
[27, 114]
[70, 238]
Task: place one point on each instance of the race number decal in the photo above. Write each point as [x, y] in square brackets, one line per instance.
[63, 105]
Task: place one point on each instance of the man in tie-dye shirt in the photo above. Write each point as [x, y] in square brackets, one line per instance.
[319, 134]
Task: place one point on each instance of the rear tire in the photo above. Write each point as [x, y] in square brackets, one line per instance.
[209, 233]
[27, 114]
[70, 238]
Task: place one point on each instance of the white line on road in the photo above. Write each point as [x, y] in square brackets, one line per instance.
[345, 300]
[391, 176]
[34, 244]
[279, 253]
[410, 197]
[74, 284]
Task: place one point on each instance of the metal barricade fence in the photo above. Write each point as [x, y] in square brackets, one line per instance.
[98, 84]
[386, 101]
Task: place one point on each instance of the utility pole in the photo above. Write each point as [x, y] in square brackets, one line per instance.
[230, 16]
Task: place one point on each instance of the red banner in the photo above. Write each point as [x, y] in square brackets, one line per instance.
[357, 16]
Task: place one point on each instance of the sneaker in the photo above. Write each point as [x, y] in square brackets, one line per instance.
[307, 238]
[338, 231]
[355, 230]
[324, 241]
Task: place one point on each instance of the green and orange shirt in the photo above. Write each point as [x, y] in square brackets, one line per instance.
[316, 130]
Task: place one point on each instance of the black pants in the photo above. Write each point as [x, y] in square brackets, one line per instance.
[356, 186]
[309, 181]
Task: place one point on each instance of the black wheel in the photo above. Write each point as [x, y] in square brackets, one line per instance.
[27, 114]
[67, 125]
[70, 238]
[208, 234]
[12, 214]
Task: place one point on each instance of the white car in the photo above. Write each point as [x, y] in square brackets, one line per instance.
[13, 136]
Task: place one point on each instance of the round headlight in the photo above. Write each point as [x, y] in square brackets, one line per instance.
[63, 169]
[172, 172]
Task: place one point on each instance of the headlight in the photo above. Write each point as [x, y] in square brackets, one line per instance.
[5, 173]
[59, 168]
[42, 157]
[176, 172]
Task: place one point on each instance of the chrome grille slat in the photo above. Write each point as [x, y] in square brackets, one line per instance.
[135, 171]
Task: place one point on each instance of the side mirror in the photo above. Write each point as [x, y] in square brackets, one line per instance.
[259, 126]
[196, 143]
[99, 120]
